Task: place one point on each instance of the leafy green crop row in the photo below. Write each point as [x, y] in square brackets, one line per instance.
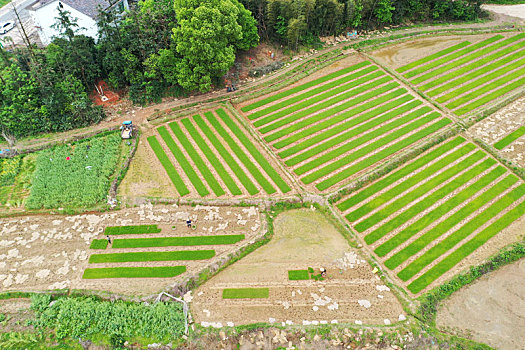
[168, 166]
[298, 275]
[9, 168]
[176, 241]
[510, 138]
[134, 272]
[131, 230]
[245, 293]
[433, 56]
[99, 244]
[152, 256]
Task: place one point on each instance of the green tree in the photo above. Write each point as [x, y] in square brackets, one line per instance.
[384, 11]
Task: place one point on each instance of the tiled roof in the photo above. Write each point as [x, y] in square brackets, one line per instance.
[87, 7]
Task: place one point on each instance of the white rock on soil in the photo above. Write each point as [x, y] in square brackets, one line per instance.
[334, 322]
[271, 320]
[387, 321]
[358, 322]
[402, 317]
[364, 303]
[382, 288]
[306, 323]
[230, 324]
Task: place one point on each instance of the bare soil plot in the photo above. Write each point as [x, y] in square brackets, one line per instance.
[16, 312]
[303, 238]
[507, 10]
[51, 252]
[490, 310]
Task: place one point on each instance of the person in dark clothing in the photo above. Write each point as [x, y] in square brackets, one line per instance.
[188, 222]
[109, 239]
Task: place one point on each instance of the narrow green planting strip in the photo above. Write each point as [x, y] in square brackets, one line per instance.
[214, 161]
[444, 226]
[298, 275]
[433, 57]
[258, 176]
[259, 158]
[466, 249]
[345, 174]
[166, 163]
[134, 272]
[196, 158]
[131, 230]
[510, 138]
[99, 244]
[302, 87]
[245, 293]
[415, 194]
[411, 212]
[181, 159]
[351, 201]
[462, 233]
[225, 154]
[436, 214]
[176, 241]
[152, 256]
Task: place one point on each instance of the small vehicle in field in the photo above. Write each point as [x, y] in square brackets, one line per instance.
[126, 129]
[6, 27]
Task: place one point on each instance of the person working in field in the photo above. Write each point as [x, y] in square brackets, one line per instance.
[188, 222]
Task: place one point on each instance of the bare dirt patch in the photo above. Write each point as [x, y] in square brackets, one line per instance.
[490, 310]
[302, 239]
[516, 11]
[16, 312]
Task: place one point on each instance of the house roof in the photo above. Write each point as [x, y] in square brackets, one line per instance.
[87, 7]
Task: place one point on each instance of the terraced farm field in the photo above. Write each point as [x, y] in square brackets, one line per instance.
[332, 129]
[468, 76]
[211, 155]
[424, 218]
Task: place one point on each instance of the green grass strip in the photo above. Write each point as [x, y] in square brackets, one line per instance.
[447, 59]
[448, 223]
[510, 138]
[166, 163]
[258, 176]
[467, 59]
[298, 275]
[201, 166]
[348, 114]
[214, 161]
[309, 94]
[411, 212]
[259, 158]
[415, 194]
[181, 159]
[494, 95]
[176, 241]
[462, 233]
[152, 256]
[302, 87]
[294, 113]
[368, 116]
[466, 249]
[348, 172]
[245, 293]
[99, 244]
[433, 56]
[134, 272]
[225, 154]
[352, 144]
[371, 190]
[131, 230]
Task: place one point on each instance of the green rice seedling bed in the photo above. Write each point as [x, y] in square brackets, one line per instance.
[390, 179]
[176, 241]
[214, 161]
[225, 154]
[258, 176]
[131, 230]
[197, 160]
[134, 272]
[465, 250]
[510, 138]
[444, 226]
[99, 244]
[437, 213]
[415, 194]
[302, 87]
[433, 56]
[411, 212]
[444, 60]
[152, 256]
[168, 166]
[308, 94]
[259, 158]
[245, 293]
[181, 159]
[462, 233]
[348, 114]
[348, 172]
[298, 275]
[362, 118]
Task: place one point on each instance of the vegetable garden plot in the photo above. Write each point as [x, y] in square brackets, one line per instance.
[423, 218]
[465, 78]
[214, 155]
[349, 121]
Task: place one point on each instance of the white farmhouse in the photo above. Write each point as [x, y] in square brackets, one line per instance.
[45, 12]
